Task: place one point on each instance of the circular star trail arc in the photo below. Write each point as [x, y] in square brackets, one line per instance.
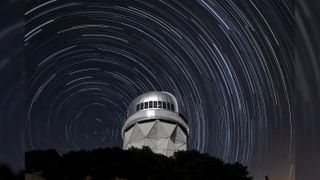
[229, 63]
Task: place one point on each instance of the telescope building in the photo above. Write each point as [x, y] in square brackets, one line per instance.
[153, 120]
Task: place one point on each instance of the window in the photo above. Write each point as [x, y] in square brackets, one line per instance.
[155, 104]
[164, 105]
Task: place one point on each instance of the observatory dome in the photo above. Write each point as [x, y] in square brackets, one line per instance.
[167, 100]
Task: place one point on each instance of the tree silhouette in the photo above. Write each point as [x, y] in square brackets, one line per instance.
[7, 174]
[142, 164]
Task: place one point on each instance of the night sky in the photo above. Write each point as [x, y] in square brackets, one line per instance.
[307, 91]
[230, 63]
[12, 84]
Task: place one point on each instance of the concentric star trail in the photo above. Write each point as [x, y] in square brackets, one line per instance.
[229, 63]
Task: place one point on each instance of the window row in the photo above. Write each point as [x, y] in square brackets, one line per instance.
[155, 104]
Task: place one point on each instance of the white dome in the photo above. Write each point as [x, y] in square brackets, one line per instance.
[169, 100]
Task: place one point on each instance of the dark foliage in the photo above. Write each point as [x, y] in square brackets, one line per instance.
[7, 174]
[130, 164]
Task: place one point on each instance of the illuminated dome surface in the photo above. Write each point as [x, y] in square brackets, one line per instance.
[154, 97]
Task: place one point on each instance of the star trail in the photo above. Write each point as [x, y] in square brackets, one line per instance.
[229, 63]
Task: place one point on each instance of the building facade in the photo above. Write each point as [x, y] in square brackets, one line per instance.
[153, 120]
